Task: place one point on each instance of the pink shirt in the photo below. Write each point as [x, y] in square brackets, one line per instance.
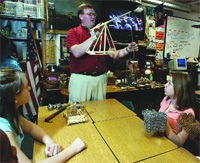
[173, 115]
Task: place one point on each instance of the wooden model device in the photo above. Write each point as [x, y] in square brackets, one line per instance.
[75, 113]
[104, 34]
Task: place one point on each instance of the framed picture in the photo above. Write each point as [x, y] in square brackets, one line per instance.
[63, 48]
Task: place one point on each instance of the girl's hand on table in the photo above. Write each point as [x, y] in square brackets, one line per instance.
[52, 149]
[77, 145]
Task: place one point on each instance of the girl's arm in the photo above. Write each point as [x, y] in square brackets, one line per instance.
[20, 155]
[178, 139]
[52, 149]
[67, 153]
[40, 134]
[63, 156]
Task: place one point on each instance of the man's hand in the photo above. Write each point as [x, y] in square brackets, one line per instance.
[95, 32]
[132, 47]
[93, 35]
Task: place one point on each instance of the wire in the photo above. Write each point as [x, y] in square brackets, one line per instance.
[132, 40]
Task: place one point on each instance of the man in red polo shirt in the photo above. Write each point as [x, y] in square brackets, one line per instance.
[88, 79]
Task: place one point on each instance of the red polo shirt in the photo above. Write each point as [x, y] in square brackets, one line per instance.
[86, 63]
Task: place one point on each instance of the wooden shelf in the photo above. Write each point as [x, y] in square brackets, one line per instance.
[21, 39]
[25, 18]
[56, 31]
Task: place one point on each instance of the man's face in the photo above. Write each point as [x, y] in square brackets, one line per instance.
[88, 18]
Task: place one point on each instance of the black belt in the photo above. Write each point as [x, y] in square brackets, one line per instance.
[92, 73]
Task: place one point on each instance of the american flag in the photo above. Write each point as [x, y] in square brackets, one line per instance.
[32, 71]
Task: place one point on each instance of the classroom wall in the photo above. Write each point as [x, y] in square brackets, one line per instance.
[194, 15]
[191, 15]
[154, 32]
[181, 37]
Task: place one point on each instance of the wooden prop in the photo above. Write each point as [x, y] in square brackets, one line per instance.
[75, 113]
[107, 39]
[56, 113]
[75, 119]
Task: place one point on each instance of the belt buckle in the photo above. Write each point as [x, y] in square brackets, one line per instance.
[94, 73]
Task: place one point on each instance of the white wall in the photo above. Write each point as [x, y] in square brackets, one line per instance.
[192, 15]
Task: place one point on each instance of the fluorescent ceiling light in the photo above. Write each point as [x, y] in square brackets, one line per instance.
[138, 10]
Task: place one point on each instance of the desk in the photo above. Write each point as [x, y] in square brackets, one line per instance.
[63, 134]
[109, 137]
[140, 98]
[65, 92]
[175, 156]
[107, 109]
[110, 89]
[115, 88]
[129, 141]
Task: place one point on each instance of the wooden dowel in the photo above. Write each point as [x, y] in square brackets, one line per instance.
[56, 113]
[100, 25]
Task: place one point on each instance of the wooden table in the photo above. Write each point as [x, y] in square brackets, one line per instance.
[115, 88]
[112, 134]
[63, 134]
[175, 156]
[110, 89]
[107, 109]
[140, 98]
[129, 141]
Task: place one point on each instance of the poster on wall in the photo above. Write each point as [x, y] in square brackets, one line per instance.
[156, 35]
[159, 35]
[159, 46]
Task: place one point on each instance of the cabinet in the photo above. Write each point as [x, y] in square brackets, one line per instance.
[14, 30]
[13, 26]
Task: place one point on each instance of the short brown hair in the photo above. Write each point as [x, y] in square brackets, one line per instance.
[82, 7]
